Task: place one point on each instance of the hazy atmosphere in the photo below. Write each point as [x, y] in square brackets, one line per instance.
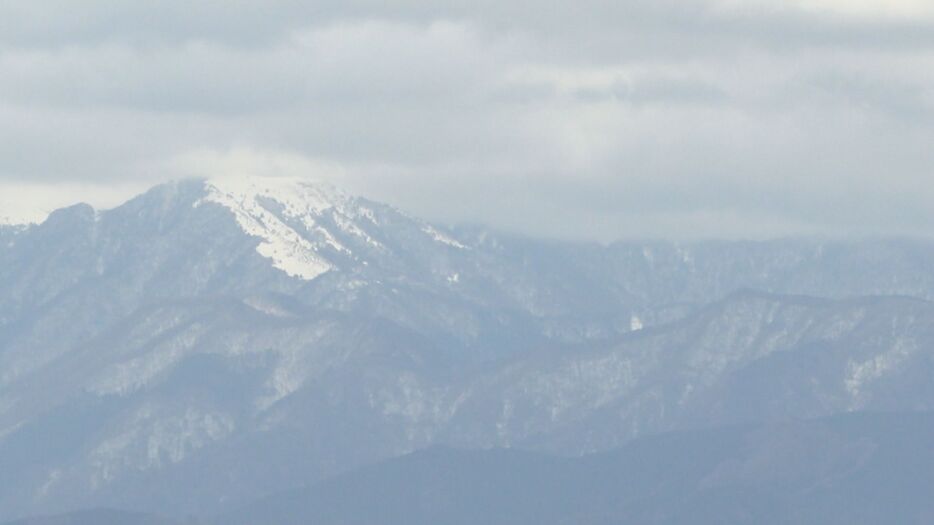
[582, 120]
[519, 263]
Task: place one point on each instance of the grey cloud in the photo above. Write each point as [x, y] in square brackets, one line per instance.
[902, 100]
[373, 61]
[659, 90]
[654, 26]
[606, 119]
[192, 78]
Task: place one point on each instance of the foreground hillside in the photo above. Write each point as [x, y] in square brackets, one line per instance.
[859, 468]
[862, 468]
[100, 517]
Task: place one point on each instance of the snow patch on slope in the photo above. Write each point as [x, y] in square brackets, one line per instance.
[442, 238]
[152, 439]
[635, 324]
[268, 208]
[862, 374]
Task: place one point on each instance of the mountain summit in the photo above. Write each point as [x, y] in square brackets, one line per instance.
[288, 216]
[305, 227]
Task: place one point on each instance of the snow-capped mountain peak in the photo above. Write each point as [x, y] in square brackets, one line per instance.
[308, 228]
[284, 213]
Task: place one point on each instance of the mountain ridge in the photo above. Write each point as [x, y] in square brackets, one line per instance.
[147, 345]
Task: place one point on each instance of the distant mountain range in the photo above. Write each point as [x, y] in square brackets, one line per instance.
[211, 343]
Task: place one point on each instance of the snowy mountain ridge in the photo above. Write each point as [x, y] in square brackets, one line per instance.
[283, 213]
[294, 219]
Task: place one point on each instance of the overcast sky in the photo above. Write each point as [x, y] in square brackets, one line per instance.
[597, 119]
